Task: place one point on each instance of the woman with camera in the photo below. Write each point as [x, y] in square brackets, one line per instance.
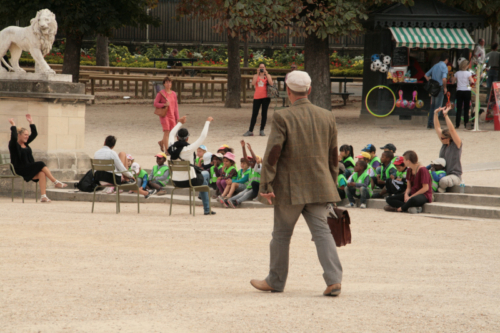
[260, 81]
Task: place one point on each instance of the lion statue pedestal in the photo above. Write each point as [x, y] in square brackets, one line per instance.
[56, 104]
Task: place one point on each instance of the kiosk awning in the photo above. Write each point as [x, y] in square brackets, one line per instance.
[433, 38]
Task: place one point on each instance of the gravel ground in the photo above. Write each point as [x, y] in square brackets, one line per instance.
[63, 269]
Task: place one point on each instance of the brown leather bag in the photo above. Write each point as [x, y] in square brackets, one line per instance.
[340, 228]
[162, 112]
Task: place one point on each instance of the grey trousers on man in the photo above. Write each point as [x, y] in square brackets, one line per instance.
[285, 218]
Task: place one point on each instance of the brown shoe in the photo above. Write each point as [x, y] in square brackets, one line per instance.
[388, 208]
[261, 285]
[332, 290]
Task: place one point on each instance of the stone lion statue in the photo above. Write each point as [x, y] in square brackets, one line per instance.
[37, 39]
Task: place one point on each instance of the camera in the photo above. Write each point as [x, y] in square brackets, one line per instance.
[262, 70]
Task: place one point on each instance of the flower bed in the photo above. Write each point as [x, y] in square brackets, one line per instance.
[120, 56]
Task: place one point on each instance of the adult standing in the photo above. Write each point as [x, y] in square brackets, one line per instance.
[167, 98]
[439, 73]
[22, 159]
[418, 191]
[494, 64]
[182, 150]
[451, 151]
[479, 52]
[260, 98]
[463, 78]
[299, 175]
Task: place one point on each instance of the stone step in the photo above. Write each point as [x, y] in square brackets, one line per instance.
[471, 189]
[178, 199]
[468, 199]
[446, 208]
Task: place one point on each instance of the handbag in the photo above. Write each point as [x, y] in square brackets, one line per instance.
[161, 112]
[432, 87]
[340, 228]
[272, 91]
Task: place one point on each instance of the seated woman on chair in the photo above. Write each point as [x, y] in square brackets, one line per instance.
[22, 159]
[183, 151]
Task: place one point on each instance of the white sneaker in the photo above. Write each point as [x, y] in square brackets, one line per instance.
[441, 190]
[350, 205]
[362, 206]
[415, 210]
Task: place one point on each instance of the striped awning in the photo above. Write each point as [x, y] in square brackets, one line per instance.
[432, 38]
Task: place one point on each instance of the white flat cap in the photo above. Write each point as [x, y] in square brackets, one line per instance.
[298, 81]
[439, 161]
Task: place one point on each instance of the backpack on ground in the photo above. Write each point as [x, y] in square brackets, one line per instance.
[86, 184]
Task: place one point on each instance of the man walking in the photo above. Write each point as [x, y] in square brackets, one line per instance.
[299, 173]
[439, 73]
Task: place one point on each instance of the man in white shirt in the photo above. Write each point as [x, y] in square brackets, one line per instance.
[479, 52]
[107, 153]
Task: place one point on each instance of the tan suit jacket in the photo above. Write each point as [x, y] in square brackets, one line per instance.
[301, 161]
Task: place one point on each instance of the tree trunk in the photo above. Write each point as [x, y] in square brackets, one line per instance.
[233, 72]
[316, 63]
[494, 33]
[245, 51]
[101, 51]
[72, 56]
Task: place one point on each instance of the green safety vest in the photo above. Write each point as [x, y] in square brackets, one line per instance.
[394, 159]
[213, 176]
[435, 184]
[159, 173]
[140, 174]
[340, 177]
[349, 159]
[373, 160]
[401, 174]
[227, 171]
[254, 177]
[242, 174]
[361, 180]
[387, 174]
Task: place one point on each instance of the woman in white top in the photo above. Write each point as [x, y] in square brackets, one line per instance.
[182, 150]
[463, 78]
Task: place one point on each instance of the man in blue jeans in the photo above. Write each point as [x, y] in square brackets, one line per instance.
[438, 72]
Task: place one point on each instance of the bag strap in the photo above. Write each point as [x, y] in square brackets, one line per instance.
[161, 92]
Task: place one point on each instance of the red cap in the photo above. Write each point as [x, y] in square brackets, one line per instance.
[399, 161]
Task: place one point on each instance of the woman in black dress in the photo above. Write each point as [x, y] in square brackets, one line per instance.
[21, 158]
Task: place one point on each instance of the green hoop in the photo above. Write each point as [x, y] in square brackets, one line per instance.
[366, 101]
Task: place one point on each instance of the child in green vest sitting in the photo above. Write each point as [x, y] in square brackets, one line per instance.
[238, 183]
[346, 156]
[159, 175]
[252, 189]
[215, 170]
[141, 177]
[341, 181]
[228, 172]
[198, 161]
[386, 169]
[359, 185]
[437, 172]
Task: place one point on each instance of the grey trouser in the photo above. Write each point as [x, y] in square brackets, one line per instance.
[246, 195]
[285, 218]
[449, 181]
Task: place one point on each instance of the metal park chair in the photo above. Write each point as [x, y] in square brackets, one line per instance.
[11, 174]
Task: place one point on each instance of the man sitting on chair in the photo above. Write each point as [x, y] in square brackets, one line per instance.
[120, 159]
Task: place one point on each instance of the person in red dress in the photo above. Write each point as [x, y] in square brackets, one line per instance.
[418, 191]
[167, 99]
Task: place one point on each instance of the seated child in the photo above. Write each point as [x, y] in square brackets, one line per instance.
[159, 175]
[341, 181]
[198, 156]
[392, 148]
[239, 183]
[346, 156]
[437, 172]
[364, 156]
[215, 170]
[358, 185]
[374, 160]
[385, 170]
[225, 149]
[141, 177]
[228, 172]
[207, 161]
[252, 189]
